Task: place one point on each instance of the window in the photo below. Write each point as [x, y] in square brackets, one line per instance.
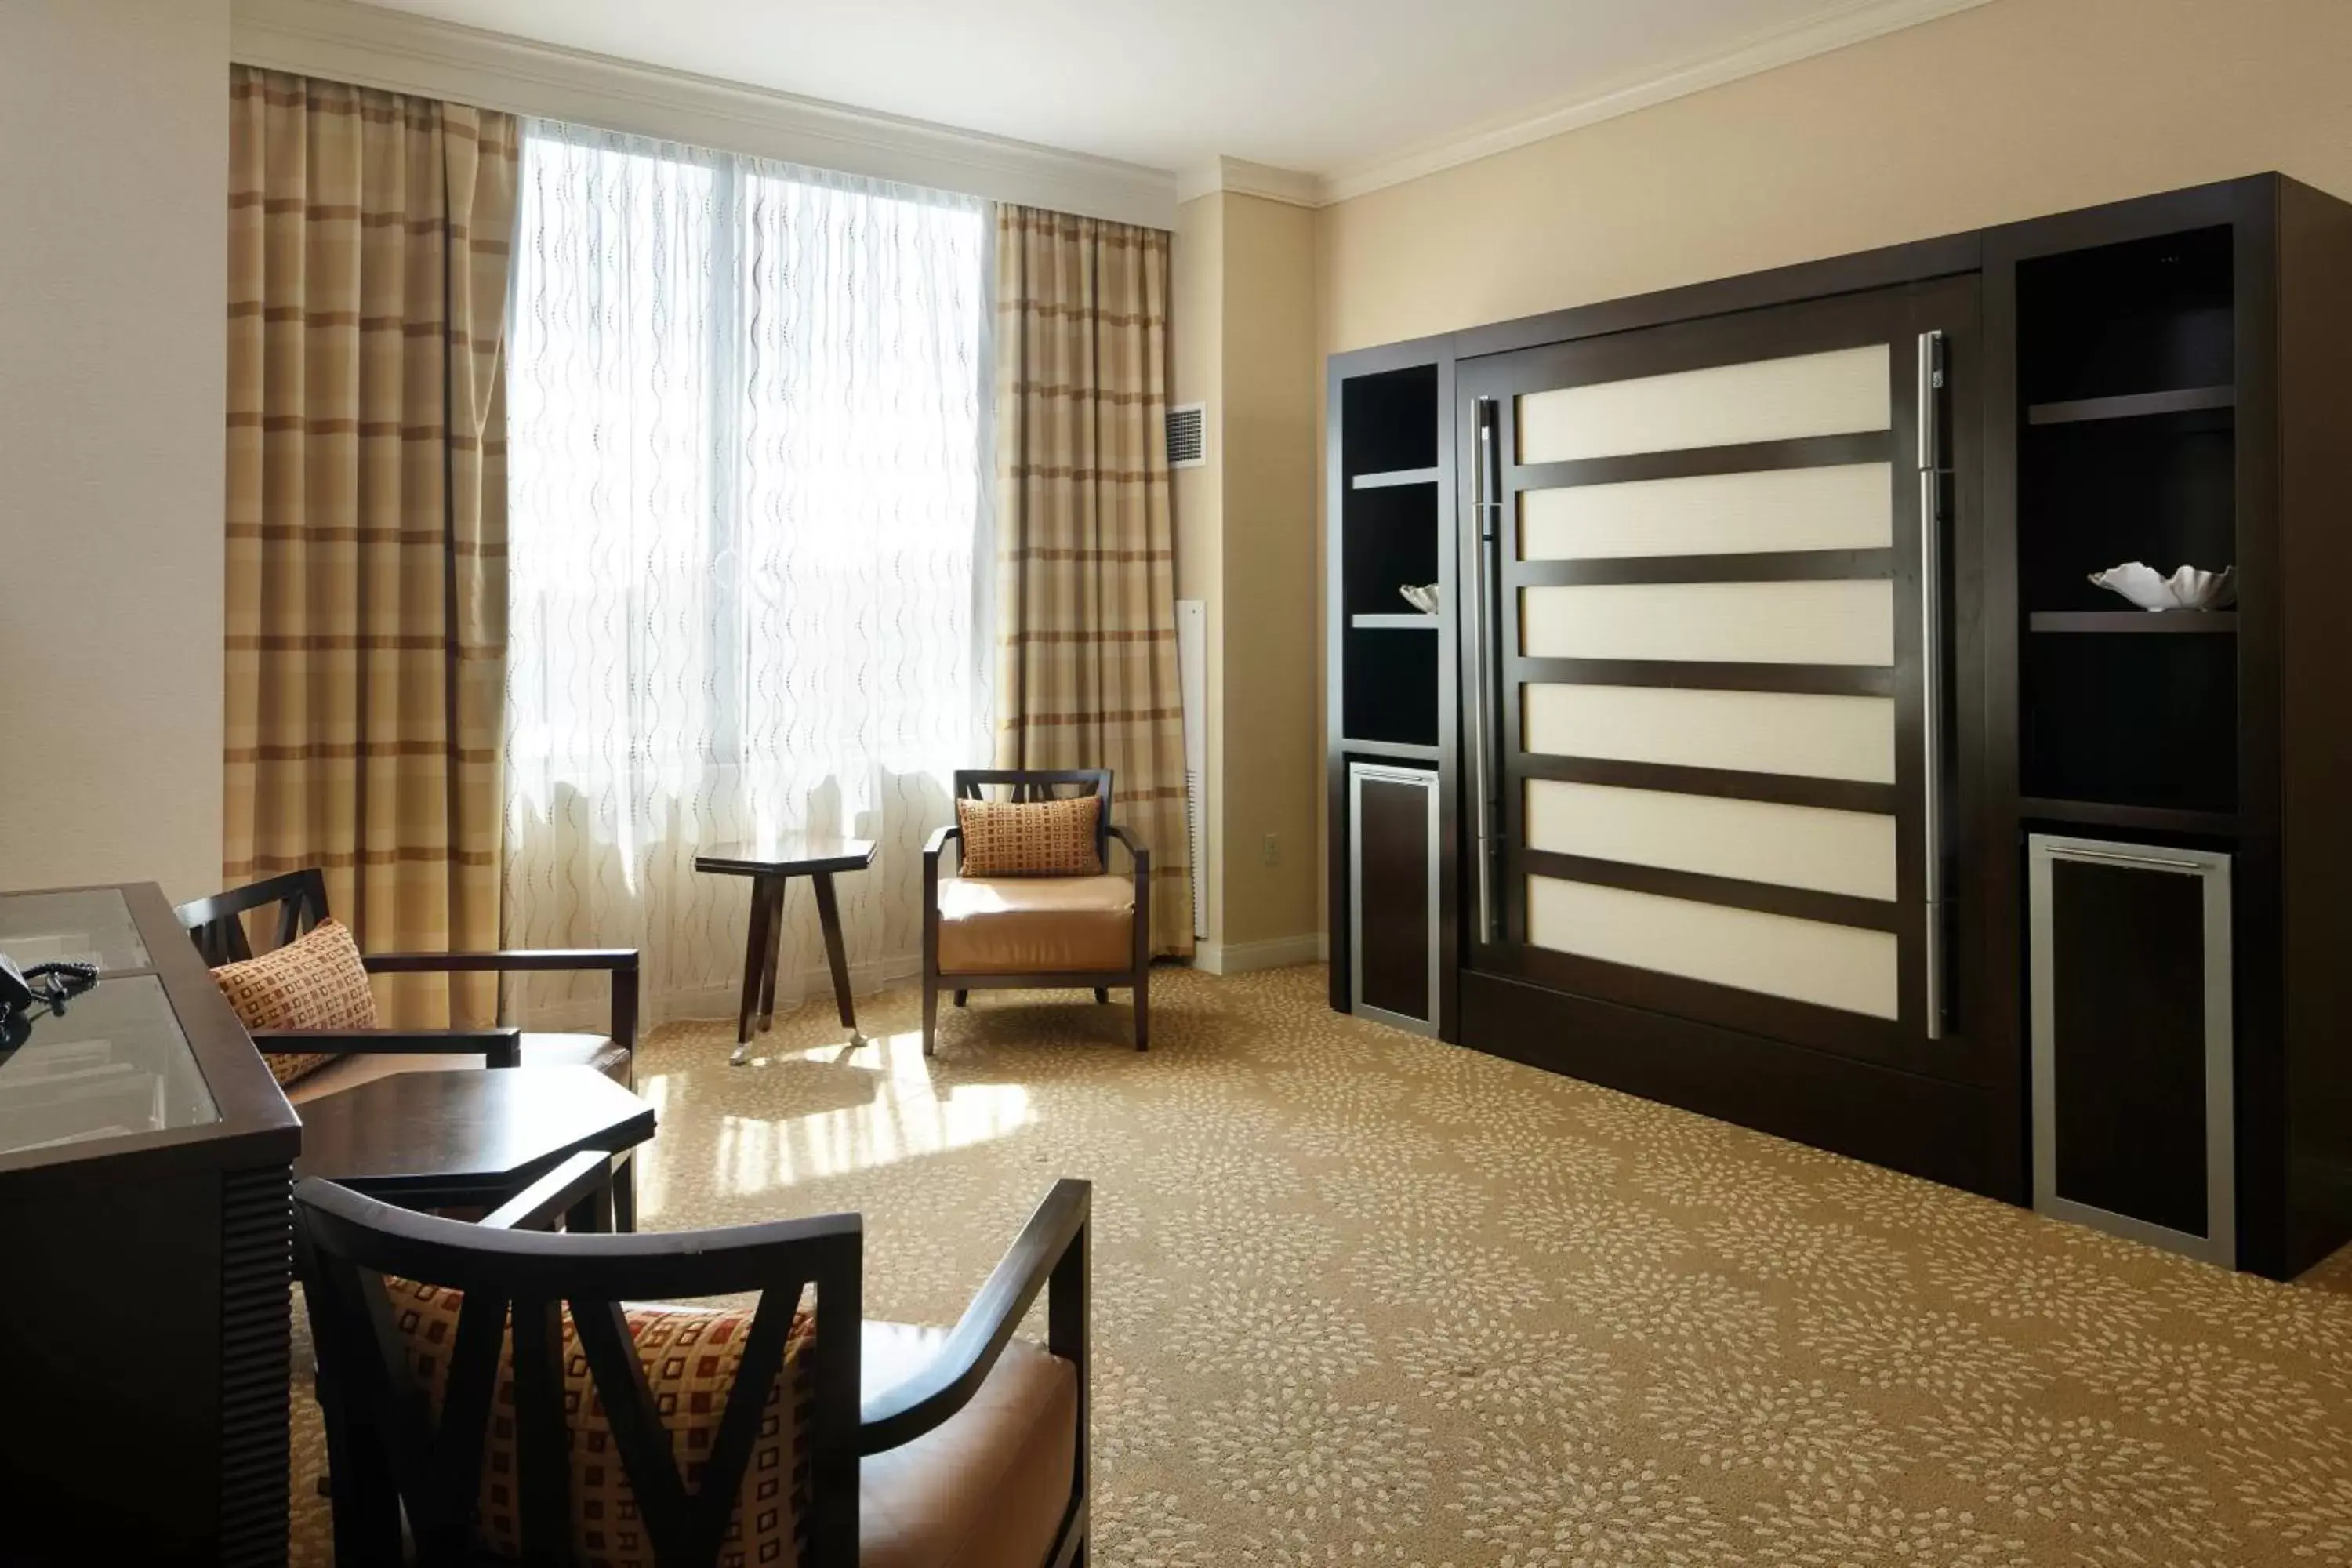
[748, 532]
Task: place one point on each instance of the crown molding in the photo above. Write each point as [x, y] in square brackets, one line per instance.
[1242, 178]
[1854, 22]
[371, 46]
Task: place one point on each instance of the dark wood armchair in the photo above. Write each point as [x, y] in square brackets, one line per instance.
[298, 900]
[1035, 932]
[484, 1384]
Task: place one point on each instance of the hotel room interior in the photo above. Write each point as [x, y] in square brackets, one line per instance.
[1562, 783]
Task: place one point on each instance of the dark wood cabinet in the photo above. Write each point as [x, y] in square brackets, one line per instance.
[146, 1221]
[1392, 871]
[1769, 642]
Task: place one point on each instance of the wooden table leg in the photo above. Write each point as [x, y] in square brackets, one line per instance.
[828, 917]
[754, 964]
[775, 949]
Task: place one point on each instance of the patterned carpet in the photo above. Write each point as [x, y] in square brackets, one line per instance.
[1366, 1299]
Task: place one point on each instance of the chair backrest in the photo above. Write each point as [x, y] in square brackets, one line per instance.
[1045, 784]
[390, 1452]
[217, 923]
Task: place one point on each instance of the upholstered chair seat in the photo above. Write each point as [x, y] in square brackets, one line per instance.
[1019, 925]
[989, 1487]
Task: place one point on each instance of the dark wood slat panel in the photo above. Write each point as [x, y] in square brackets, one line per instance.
[2133, 405]
[1752, 456]
[1785, 789]
[1394, 477]
[2222, 622]
[1753, 566]
[1813, 680]
[1826, 1029]
[1764, 898]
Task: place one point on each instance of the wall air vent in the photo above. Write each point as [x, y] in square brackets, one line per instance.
[1187, 435]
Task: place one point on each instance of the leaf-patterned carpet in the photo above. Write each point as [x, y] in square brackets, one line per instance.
[1366, 1299]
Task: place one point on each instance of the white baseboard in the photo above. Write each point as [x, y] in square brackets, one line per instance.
[1242, 957]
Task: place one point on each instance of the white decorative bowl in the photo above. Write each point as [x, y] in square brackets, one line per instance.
[1421, 597]
[2187, 588]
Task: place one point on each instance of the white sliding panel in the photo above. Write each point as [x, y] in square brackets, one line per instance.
[1754, 732]
[1843, 391]
[1850, 852]
[1847, 506]
[1853, 969]
[1846, 621]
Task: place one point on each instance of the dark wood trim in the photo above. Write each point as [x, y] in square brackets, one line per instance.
[1753, 566]
[2211, 622]
[2136, 818]
[1693, 462]
[1394, 476]
[1388, 750]
[752, 865]
[2134, 405]
[1785, 789]
[1859, 272]
[1929, 1126]
[1727, 892]
[1820, 679]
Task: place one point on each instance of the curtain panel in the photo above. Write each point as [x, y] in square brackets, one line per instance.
[751, 540]
[1086, 673]
[369, 241]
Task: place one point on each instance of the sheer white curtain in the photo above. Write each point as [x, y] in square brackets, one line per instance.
[748, 460]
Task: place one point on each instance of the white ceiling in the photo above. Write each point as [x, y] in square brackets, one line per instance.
[1328, 87]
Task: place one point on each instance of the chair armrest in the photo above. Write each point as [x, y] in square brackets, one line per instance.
[1135, 849]
[939, 840]
[500, 1047]
[947, 1384]
[553, 1194]
[621, 960]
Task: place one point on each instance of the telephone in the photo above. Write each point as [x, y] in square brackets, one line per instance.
[26, 993]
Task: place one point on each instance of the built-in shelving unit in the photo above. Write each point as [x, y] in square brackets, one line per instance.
[2128, 451]
[1390, 526]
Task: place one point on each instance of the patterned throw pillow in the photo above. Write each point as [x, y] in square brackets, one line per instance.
[316, 982]
[691, 1355]
[1029, 838]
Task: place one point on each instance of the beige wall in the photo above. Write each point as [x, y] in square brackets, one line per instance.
[1196, 355]
[2005, 111]
[114, 114]
[1244, 343]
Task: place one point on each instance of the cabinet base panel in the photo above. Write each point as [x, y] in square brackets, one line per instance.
[1925, 1127]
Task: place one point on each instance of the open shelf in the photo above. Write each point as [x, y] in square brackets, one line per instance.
[2131, 406]
[2210, 622]
[1398, 751]
[2133, 818]
[1412, 621]
[1388, 477]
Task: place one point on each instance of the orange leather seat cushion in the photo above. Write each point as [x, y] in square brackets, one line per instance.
[988, 1488]
[341, 1072]
[1019, 925]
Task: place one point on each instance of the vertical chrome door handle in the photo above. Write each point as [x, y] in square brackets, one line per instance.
[1485, 480]
[1931, 673]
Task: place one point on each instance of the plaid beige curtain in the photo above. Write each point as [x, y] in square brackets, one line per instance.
[1087, 574]
[366, 509]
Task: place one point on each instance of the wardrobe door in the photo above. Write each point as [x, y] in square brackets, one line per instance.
[1710, 657]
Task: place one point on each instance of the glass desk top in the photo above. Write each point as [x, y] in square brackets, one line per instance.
[89, 925]
[113, 1063]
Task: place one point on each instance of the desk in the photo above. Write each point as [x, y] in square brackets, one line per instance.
[769, 863]
[146, 1219]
